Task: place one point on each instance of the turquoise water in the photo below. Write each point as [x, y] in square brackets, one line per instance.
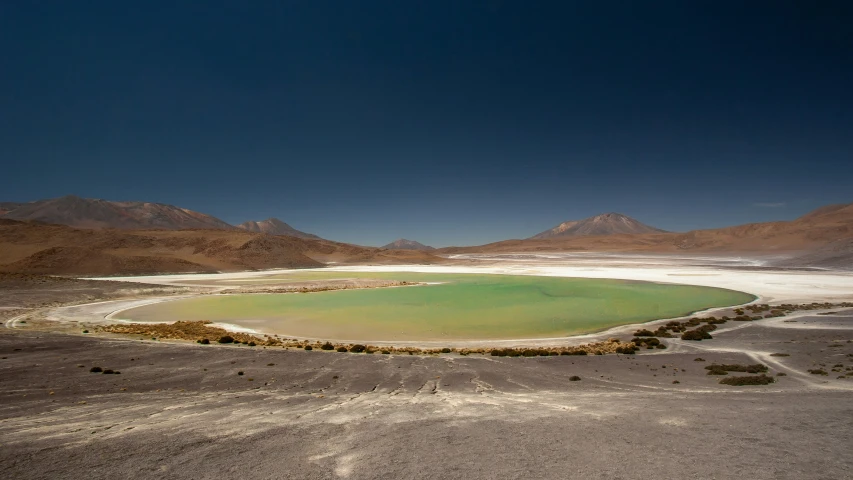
[464, 306]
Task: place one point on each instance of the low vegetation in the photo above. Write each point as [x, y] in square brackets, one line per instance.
[748, 380]
[717, 369]
[694, 328]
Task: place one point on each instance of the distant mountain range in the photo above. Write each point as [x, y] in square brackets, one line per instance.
[819, 238]
[403, 244]
[604, 224]
[95, 213]
[274, 226]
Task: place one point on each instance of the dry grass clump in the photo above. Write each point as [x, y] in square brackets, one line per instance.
[716, 369]
[612, 345]
[750, 380]
[188, 330]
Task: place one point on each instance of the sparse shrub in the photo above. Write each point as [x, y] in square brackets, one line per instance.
[644, 333]
[96, 369]
[696, 335]
[357, 348]
[84, 331]
[574, 378]
[240, 372]
[446, 350]
[750, 380]
[226, 339]
[648, 341]
[818, 371]
[781, 374]
[108, 371]
[530, 353]
[544, 353]
[308, 348]
[327, 346]
[251, 344]
[511, 352]
[661, 346]
[386, 352]
[344, 349]
[204, 341]
[498, 353]
[715, 369]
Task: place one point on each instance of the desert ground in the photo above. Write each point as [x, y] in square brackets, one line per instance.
[183, 410]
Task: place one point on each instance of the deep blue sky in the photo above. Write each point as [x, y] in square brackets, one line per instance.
[448, 122]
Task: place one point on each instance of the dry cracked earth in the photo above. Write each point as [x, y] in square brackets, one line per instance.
[185, 411]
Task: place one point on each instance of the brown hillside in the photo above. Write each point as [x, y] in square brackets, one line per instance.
[30, 247]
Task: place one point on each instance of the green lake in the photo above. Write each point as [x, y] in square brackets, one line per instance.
[462, 307]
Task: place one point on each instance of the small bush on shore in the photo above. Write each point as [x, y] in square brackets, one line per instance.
[357, 348]
[342, 349]
[696, 335]
[226, 339]
[818, 371]
[308, 348]
[204, 341]
[327, 346]
[574, 378]
[108, 371]
[644, 333]
[446, 350]
[96, 369]
[751, 380]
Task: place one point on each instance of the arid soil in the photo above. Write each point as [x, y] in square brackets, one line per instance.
[22, 293]
[186, 411]
[179, 409]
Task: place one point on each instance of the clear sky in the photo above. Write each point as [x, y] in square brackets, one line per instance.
[447, 122]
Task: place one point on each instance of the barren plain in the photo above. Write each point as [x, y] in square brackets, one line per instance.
[183, 410]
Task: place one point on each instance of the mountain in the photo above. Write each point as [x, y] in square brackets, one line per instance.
[818, 238]
[6, 207]
[32, 247]
[95, 213]
[604, 224]
[274, 226]
[403, 244]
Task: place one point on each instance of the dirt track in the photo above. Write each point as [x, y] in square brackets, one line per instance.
[182, 411]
